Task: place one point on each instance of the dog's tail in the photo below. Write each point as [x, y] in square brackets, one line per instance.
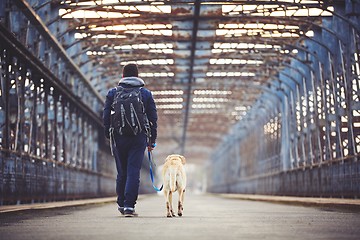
[172, 180]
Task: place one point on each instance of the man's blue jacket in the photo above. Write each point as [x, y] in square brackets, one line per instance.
[147, 98]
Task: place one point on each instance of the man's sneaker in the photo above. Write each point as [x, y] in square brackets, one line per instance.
[121, 210]
[130, 212]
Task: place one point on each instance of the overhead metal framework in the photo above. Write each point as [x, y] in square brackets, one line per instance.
[192, 54]
[273, 82]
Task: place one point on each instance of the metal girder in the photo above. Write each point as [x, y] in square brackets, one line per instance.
[311, 136]
[10, 41]
[47, 134]
[33, 17]
[191, 73]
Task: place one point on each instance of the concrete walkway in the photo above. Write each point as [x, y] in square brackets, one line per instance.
[205, 217]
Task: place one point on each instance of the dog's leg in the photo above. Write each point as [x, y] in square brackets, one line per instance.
[170, 202]
[168, 206]
[181, 193]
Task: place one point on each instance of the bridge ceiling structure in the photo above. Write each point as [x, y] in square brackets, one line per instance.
[206, 62]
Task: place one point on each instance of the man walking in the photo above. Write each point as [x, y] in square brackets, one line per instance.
[130, 121]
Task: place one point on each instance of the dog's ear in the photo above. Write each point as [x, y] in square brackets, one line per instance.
[168, 158]
[183, 160]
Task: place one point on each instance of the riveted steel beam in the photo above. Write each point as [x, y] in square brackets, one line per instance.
[191, 72]
[34, 18]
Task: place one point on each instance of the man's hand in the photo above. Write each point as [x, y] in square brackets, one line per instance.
[151, 147]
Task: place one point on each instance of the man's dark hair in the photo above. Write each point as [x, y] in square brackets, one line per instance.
[130, 70]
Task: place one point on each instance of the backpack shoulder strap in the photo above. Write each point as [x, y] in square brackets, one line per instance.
[118, 88]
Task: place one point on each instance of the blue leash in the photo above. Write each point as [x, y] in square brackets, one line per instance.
[152, 175]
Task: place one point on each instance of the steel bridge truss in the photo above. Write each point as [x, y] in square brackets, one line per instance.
[52, 145]
[304, 138]
[285, 72]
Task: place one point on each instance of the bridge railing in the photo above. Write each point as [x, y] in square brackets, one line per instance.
[49, 138]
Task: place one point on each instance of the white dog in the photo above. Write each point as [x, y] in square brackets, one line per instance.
[174, 179]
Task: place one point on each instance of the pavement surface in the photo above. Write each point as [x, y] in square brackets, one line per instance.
[205, 217]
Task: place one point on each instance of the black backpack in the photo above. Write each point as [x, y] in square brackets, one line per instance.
[129, 117]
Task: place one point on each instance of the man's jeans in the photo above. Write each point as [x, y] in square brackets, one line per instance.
[129, 154]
